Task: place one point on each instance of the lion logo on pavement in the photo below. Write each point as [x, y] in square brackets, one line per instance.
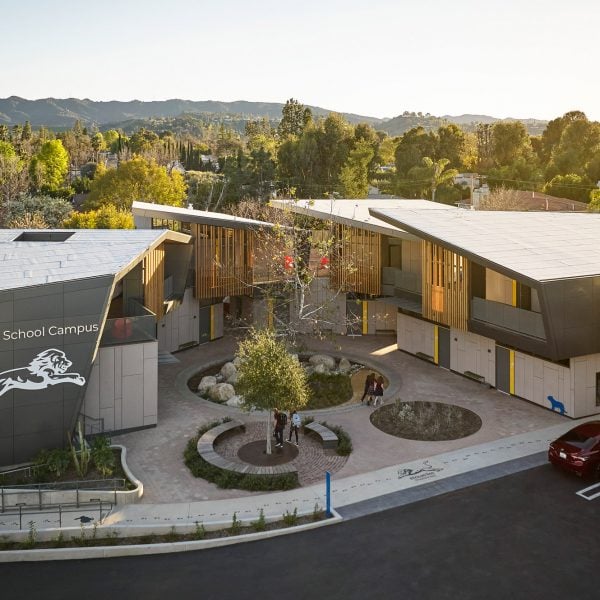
[47, 368]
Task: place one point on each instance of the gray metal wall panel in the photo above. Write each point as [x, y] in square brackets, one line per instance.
[38, 324]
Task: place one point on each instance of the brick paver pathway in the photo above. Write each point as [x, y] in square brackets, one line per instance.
[312, 461]
[155, 455]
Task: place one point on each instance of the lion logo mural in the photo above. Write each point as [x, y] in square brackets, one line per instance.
[47, 368]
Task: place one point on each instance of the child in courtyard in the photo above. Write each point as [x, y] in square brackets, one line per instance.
[294, 425]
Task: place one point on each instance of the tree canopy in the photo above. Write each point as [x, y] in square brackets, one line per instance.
[136, 179]
[269, 376]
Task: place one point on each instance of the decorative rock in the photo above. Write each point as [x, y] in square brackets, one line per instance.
[206, 383]
[221, 392]
[236, 401]
[233, 379]
[322, 359]
[237, 361]
[320, 368]
[295, 357]
[344, 366]
[228, 370]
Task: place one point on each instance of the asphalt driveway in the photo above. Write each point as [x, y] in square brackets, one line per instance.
[526, 536]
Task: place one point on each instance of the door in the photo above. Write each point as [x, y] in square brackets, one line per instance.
[444, 347]
[204, 324]
[503, 369]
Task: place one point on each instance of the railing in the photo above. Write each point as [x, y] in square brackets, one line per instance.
[103, 507]
[137, 325]
[91, 425]
[36, 492]
[508, 317]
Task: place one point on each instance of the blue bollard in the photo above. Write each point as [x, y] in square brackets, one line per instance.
[328, 493]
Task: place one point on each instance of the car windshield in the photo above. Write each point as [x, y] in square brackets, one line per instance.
[579, 439]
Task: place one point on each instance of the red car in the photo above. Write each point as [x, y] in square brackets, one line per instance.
[578, 450]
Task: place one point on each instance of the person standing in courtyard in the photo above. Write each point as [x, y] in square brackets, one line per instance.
[378, 391]
[280, 421]
[294, 425]
[369, 386]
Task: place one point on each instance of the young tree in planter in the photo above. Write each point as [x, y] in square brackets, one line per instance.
[269, 376]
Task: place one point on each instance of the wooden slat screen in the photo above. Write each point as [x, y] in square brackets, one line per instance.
[356, 260]
[445, 286]
[222, 264]
[154, 281]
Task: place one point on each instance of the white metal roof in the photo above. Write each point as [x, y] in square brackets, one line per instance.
[356, 212]
[87, 253]
[191, 215]
[539, 245]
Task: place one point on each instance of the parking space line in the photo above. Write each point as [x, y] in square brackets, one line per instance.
[587, 492]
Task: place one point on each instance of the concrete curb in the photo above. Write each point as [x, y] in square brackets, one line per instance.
[139, 486]
[48, 554]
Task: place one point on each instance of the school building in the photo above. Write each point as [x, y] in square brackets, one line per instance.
[511, 299]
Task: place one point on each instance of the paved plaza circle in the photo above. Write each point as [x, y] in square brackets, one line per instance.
[311, 462]
[255, 453]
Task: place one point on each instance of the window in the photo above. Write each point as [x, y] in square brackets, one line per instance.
[44, 236]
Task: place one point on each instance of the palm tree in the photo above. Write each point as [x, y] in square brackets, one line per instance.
[438, 173]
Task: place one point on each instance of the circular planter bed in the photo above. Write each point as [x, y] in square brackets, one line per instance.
[331, 381]
[426, 421]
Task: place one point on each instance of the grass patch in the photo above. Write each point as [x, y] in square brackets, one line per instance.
[230, 479]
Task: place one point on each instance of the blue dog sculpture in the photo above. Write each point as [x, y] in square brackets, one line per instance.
[556, 404]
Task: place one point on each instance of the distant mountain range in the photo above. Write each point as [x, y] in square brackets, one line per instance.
[62, 113]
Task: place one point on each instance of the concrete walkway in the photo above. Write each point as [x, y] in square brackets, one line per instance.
[155, 455]
[381, 472]
[351, 496]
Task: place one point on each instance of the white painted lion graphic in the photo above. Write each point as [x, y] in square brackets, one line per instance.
[47, 368]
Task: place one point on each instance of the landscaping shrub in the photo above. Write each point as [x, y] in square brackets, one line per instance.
[102, 456]
[328, 389]
[52, 463]
[344, 447]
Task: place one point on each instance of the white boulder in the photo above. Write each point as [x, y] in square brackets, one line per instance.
[322, 359]
[221, 392]
[237, 361]
[228, 370]
[235, 401]
[233, 379]
[320, 368]
[344, 365]
[206, 383]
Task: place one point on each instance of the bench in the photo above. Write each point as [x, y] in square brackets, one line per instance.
[328, 438]
[474, 376]
[206, 450]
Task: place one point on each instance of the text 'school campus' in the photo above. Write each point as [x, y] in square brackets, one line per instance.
[509, 299]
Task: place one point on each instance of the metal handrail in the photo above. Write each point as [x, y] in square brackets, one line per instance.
[103, 506]
[39, 488]
[74, 485]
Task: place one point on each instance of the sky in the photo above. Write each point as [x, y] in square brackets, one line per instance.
[505, 58]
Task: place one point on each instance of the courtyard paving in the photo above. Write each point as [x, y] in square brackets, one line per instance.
[155, 455]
